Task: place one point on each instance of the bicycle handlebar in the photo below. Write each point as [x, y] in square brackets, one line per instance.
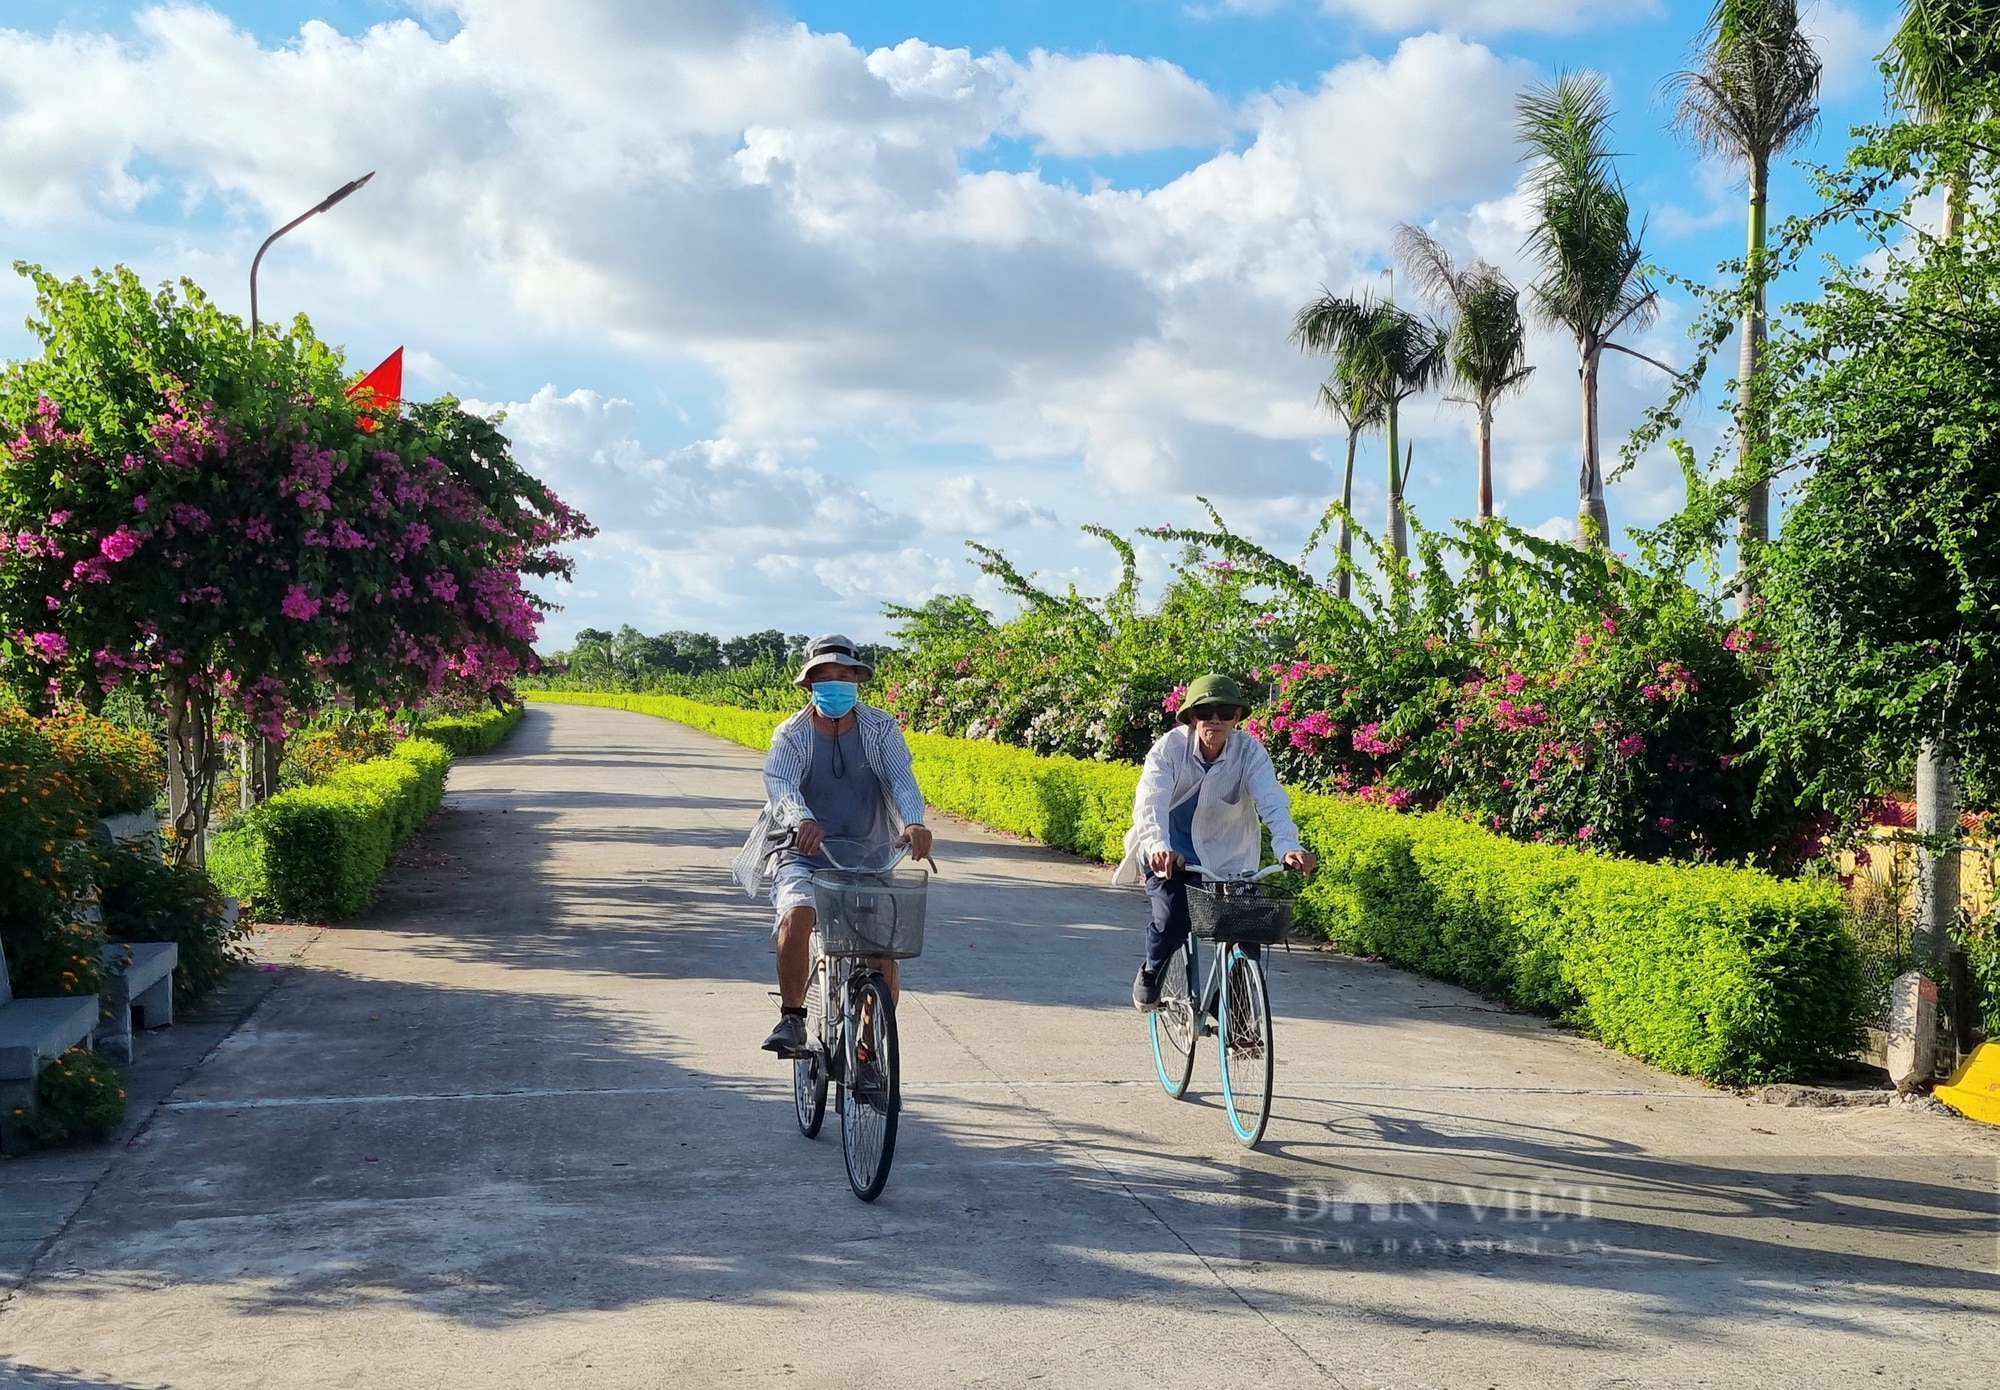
[1257, 877]
[789, 839]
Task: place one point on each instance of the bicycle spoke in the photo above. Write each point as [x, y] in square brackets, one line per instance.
[1173, 1024]
[871, 1097]
[1244, 1047]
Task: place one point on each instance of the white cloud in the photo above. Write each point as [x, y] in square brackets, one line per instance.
[1113, 103]
[694, 182]
[1849, 45]
[1491, 16]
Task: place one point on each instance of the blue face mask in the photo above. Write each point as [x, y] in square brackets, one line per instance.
[835, 698]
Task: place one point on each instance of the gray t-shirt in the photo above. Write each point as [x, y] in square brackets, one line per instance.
[845, 797]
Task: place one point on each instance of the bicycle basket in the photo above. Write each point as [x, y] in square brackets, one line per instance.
[862, 914]
[1224, 916]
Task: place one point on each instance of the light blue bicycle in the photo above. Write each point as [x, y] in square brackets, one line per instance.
[1234, 1003]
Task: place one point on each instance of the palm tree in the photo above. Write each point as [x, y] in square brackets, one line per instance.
[1347, 397]
[1485, 342]
[1752, 94]
[1392, 354]
[1590, 256]
[1943, 51]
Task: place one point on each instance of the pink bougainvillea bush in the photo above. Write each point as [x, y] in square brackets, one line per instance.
[202, 514]
[1554, 694]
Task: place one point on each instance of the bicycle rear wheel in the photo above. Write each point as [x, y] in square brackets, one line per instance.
[809, 1072]
[1244, 1042]
[871, 1097]
[1173, 1023]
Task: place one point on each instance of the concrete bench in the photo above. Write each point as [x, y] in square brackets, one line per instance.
[33, 1032]
[145, 988]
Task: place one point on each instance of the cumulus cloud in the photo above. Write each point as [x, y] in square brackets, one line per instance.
[1113, 103]
[697, 181]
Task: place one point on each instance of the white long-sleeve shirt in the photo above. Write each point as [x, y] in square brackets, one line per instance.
[1237, 791]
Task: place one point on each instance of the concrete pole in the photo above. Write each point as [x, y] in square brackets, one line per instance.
[1937, 871]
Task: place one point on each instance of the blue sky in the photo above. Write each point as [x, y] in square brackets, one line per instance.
[792, 299]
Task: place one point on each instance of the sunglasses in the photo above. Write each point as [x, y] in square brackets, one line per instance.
[1216, 714]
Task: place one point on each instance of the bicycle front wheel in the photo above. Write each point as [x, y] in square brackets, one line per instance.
[1173, 1023]
[1243, 1035]
[871, 1096]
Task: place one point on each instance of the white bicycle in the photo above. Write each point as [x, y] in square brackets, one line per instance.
[865, 915]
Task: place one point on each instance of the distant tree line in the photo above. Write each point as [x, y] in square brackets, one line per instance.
[630, 656]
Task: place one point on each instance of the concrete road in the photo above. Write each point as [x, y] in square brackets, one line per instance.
[512, 1129]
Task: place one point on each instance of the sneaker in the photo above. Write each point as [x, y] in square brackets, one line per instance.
[788, 1039]
[1146, 990]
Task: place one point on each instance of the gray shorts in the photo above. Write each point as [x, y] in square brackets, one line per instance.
[791, 886]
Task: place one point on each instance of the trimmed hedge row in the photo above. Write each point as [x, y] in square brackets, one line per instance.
[749, 727]
[315, 852]
[466, 735]
[1727, 974]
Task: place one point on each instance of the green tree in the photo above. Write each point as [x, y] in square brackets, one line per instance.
[1884, 587]
[1486, 344]
[1385, 351]
[1942, 60]
[1591, 281]
[1752, 94]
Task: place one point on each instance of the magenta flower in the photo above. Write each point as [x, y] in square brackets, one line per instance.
[1631, 746]
[1585, 832]
[1174, 698]
[299, 604]
[1514, 681]
[121, 544]
[49, 646]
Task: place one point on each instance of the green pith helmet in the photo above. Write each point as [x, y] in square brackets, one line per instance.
[1212, 690]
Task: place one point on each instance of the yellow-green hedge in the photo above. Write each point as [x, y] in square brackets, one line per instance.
[466, 735]
[1727, 974]
[315, 852]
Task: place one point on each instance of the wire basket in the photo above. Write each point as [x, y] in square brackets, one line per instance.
[1219, 915]
[863, 914]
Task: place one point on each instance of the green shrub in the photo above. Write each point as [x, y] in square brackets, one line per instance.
[467, 734]
[1728, 974]
[751, 728]
[44, 864]
[117, 769]
[1071, 803]
[315, 853]
[82, 1097]
[145, 899]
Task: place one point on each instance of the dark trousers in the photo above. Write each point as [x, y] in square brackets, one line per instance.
[1168, 931]
[1169, 927]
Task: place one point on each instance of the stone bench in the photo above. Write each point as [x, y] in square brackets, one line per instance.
[32, 1033]
[144, 988]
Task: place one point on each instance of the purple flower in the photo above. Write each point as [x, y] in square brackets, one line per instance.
[299, 604]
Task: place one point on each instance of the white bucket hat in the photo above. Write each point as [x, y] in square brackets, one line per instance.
[833, 646]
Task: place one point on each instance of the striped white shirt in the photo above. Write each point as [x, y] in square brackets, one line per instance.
[785, 766]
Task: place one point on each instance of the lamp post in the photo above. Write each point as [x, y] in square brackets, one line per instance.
[259, 766]
[334, 197]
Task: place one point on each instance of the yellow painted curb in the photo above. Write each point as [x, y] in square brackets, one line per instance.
[1974, 1089]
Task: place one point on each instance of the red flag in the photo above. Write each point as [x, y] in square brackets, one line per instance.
[382, 388]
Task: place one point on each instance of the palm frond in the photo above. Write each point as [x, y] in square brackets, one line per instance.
[1754, 89]
[1942, 50]
[1582, 233]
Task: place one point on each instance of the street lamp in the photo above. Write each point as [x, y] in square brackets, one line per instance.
[260, 758]
[325, 203]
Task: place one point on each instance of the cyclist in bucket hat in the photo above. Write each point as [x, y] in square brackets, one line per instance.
[1205, 788]
[838, 769]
